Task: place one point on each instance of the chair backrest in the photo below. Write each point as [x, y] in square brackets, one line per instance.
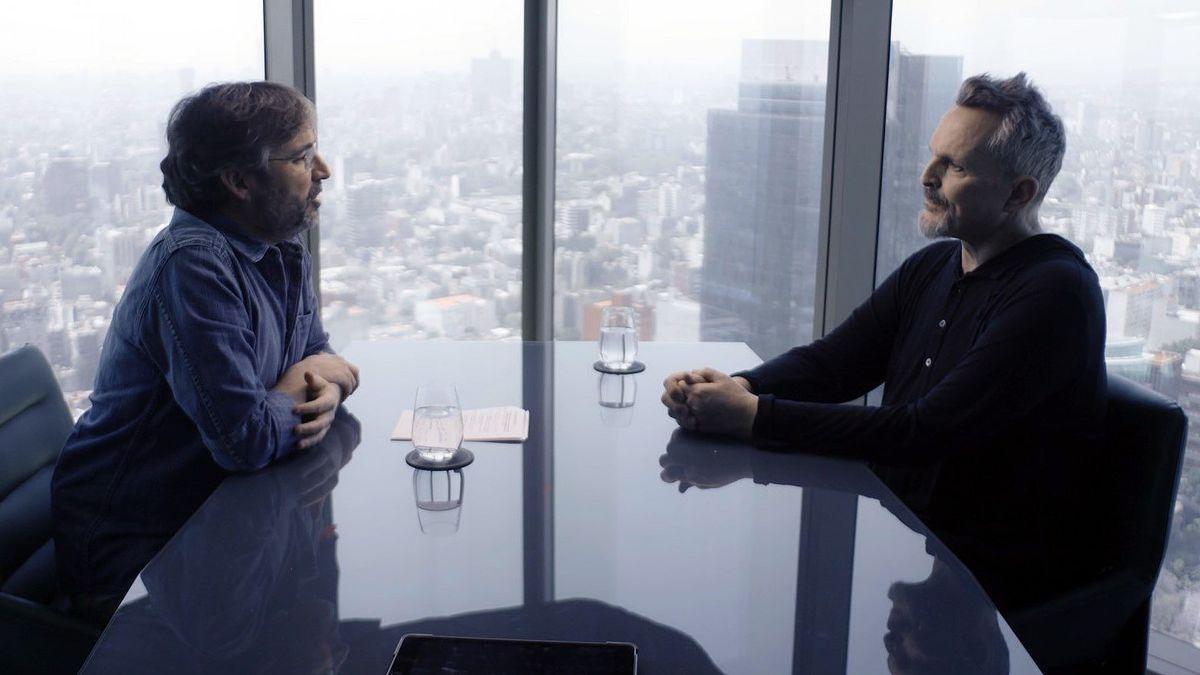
[1147, 434]
[34, 425]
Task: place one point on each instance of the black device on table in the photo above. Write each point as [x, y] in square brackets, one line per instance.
[418, 654]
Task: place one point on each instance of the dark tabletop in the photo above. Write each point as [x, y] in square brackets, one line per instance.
[607, 524]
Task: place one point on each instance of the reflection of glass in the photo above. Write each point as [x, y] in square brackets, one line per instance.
[618, 393]
[439, 497]
[618, 337]
[437, 422]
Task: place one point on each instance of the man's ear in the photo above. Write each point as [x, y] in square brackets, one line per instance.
[1024, 192]
[236, 183]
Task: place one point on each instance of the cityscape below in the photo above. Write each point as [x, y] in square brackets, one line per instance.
[696, 205]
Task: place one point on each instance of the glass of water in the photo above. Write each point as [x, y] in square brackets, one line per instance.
[618, 338]
[437, 422]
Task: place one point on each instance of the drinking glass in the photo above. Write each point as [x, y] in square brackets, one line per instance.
[618, 337]
[437, 422]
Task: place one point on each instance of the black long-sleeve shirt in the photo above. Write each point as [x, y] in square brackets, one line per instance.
[994, 385]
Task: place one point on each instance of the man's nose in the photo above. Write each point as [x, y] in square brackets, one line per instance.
[929, 177]
[320, 169]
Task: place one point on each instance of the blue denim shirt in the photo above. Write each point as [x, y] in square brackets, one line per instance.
[209, 322]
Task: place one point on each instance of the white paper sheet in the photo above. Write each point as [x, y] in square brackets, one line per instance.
[506, 424]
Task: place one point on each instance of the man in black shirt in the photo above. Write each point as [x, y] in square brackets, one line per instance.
[990, 347]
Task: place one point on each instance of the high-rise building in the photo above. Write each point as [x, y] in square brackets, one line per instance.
[921, 88]
[491, 81]
[365, 227]
[65, 186]
[762, 188]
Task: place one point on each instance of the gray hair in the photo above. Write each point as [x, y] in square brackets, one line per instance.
[1030, 140]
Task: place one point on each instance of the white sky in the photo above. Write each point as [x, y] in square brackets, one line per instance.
[1056, 40]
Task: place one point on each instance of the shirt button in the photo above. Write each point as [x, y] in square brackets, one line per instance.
[942, 323]
[928, 362]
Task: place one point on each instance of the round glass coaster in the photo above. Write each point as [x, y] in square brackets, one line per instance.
[635, 367]
[458, 460]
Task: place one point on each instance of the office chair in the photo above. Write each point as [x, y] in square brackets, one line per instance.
[1110, 616]
[36, 635]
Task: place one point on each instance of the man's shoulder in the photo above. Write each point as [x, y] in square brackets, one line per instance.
[187, 243]
[931, 257]
[1056, 263]
[190, 231]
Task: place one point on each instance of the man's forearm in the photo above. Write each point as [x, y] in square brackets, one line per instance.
[292, 384]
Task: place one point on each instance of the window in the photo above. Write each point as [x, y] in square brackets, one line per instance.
[82, 137]
[1121, 75]
[688, 171]
[420, 122]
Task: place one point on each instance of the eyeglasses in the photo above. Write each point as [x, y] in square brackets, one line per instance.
[309, 157]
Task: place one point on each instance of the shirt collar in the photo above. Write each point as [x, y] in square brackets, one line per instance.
[251, 248]
[1009, 259]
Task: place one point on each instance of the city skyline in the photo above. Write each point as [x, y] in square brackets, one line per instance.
[657, 189]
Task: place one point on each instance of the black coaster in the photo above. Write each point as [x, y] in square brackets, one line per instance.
[635, 367]
[458, 460]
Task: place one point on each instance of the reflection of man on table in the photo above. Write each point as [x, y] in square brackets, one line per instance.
[941, 625]
[990, 348]
[216, 360]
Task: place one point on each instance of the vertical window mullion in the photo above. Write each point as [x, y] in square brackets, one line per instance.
[537, 265]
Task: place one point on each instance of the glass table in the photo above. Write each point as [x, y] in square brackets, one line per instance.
[607, 524]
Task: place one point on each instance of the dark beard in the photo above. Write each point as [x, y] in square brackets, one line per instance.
[281, 215]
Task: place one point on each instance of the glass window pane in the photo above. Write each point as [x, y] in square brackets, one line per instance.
[1122, 77]
[87, 88]
[689, 168]
[419, 110]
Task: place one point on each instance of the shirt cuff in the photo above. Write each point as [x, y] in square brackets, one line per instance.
[764, 419]
[749, 378]
[279, 407]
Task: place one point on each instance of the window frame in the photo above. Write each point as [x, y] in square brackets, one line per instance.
[852, 166]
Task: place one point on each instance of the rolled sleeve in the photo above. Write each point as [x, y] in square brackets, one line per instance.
[199, 334]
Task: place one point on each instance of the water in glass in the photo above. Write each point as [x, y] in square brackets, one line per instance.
[437, 423]
[618, 337]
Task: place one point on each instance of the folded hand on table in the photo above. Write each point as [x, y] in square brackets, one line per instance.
[710, 401]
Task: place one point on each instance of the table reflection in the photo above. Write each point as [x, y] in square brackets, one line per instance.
[439, 500]
[942, 624]
[265, 600]
[618, 396]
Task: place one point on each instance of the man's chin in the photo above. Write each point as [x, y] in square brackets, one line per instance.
[933, 226]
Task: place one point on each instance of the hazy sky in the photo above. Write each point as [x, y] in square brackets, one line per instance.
[1056, 40]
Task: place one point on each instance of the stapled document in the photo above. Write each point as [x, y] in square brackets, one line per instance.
[503, 424]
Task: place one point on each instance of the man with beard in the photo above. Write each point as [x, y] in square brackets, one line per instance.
[216, 360]
[990, 347]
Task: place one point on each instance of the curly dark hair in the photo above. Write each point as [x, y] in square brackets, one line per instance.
[231, 125]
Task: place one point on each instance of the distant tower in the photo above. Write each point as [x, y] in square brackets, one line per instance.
[65, 186]
[491, 81]
[762, 188]
[921, 89]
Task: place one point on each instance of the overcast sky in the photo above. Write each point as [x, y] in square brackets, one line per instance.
[1056, 40]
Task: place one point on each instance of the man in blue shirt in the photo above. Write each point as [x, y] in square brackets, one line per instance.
[216, 360]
